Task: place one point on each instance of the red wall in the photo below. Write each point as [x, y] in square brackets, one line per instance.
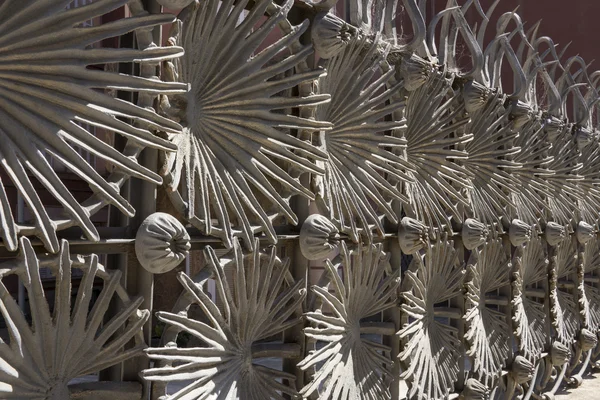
[575, 21]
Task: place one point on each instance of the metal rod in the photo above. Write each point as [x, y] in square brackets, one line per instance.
[21, 219]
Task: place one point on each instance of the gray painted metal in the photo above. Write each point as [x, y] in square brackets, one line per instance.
[456, 213]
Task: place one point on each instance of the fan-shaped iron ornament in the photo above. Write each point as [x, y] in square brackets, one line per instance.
[530, 179]
[563, 183]
[589, 291]
[529, 294]
[488, 327]
[432, 346]
[435, 144]
[226, 176]
[245, 129]
[353, 364]
[254, 306]
[563, 297]
[48, 91]
[65, 339]
[589, 204]
[363, 170]
[489, 161]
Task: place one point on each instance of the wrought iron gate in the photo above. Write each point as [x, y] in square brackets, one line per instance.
[379, 218]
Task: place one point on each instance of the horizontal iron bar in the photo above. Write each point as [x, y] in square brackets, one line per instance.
[447, 312]
[78, 246]
[539, 293]
[496, 300]
[566, 285]
[378, 328]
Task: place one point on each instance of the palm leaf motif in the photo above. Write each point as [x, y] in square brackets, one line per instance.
[530, 178]
[588, 285]
[42, 357]
[228, 163]
[563, 301]
[529, 291]
[360, 158]
[47, 93]
[435, 118]
[563, 183]
[489, 162]
[488, 329]
[353, 365]
[589, 203]
[256, 305]
[432, 347]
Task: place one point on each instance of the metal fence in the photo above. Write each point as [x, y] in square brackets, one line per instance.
[389, 206]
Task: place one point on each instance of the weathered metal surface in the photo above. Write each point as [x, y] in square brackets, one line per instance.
[161, 243]
[489, 183]
[228, 157]
[256, 305]
[47, 89]
[353, 365]
[41, 357]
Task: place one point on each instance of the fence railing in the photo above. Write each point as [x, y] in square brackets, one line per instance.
[382, 215]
